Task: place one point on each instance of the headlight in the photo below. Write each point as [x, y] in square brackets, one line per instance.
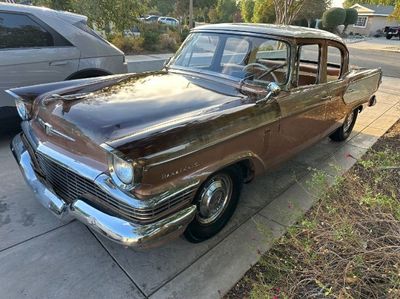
[22, 107]
[22, 110]
[123, 170]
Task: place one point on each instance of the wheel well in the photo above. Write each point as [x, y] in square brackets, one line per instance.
[247, 169]
[88, 73]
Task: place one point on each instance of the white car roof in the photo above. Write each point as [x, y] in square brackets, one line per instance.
[36, 10]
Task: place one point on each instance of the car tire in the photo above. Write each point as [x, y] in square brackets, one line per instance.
[343, 132]
[216, 201]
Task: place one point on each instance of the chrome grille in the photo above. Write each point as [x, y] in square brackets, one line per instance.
[70, 186]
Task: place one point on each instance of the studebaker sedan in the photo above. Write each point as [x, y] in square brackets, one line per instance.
[143, 158]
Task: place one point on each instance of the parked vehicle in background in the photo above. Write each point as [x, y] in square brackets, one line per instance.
[165, 153]
[134, 31]
[40, 45]
[391, 31]
[151, 19]
[168, 21]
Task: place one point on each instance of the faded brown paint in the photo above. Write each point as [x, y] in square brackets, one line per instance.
[202, 123]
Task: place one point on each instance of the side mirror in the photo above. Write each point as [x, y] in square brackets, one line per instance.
[273, 90]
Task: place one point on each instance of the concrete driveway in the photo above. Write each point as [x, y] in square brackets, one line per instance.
[42, 258]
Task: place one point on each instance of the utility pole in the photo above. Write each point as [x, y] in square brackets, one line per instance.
[191, 13]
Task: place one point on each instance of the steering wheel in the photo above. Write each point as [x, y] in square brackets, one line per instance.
[261, 67]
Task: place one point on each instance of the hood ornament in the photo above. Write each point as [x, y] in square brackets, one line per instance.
[69, 97]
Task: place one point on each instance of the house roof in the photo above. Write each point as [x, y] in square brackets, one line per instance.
[370, 9]
[271, 29]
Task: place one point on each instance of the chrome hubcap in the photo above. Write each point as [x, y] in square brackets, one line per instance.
[348, 121]
[214, 198]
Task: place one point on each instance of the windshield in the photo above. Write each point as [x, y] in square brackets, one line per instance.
[237, 56]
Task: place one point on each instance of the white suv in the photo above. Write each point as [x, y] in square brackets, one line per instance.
[40, 45]
[168, 21]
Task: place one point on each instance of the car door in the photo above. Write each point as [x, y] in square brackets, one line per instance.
[337, 64]
[303, 109]
[32, 53]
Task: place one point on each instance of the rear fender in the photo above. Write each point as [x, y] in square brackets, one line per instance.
[361, 85]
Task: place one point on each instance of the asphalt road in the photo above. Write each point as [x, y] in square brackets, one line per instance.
[388, 61]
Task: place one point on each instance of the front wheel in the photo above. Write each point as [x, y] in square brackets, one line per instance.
[343, 132]
[216, 202]
[389, 36]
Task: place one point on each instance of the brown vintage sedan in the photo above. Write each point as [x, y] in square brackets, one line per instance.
[143, 158]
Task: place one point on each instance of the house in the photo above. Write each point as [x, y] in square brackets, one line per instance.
[372, 18]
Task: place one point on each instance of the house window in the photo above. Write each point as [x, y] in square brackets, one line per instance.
[361, 22]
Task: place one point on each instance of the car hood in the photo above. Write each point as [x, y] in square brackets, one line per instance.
[134, 106]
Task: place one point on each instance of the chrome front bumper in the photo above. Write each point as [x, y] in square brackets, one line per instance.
[117, 229]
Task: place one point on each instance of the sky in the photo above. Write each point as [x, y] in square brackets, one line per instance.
[337, 3]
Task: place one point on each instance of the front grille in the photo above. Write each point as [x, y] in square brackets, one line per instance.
[70, 186]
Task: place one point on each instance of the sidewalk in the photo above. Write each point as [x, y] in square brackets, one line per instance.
[41, 258]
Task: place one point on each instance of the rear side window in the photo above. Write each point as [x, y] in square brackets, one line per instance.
[20, 31]
[334, 63]
[82, 25]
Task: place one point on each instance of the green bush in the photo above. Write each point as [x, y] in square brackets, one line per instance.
[333, 17]
[151, 40]
[128, 44]
[351, 17]
[185, 33]
[170, 41]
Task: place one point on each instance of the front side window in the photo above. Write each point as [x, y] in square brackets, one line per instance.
[239, 57]
[20, 31]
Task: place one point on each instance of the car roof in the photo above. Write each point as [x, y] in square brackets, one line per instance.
[36, 10]
[272, 29]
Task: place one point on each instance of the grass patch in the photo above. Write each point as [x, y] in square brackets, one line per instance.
[348, 244]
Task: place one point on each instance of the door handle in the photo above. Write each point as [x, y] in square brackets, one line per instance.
[58, 63]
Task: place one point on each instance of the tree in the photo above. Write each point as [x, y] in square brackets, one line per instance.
[225, 10]
[67, 5]
[332, 18]
[351, 18]
[396, 14]
[287, 10]
[247, 10]
[121, 14]
[264, 11]
[163, 7]
[312, 10]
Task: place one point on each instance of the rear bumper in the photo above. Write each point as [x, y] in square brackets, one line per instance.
[117, 229]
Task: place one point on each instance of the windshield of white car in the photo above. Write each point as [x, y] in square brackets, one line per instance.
[239, 57]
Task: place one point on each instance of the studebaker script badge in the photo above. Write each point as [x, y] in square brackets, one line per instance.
[165, 176]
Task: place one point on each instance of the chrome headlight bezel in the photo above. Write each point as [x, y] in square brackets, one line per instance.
[22, 108]
[117, 166]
